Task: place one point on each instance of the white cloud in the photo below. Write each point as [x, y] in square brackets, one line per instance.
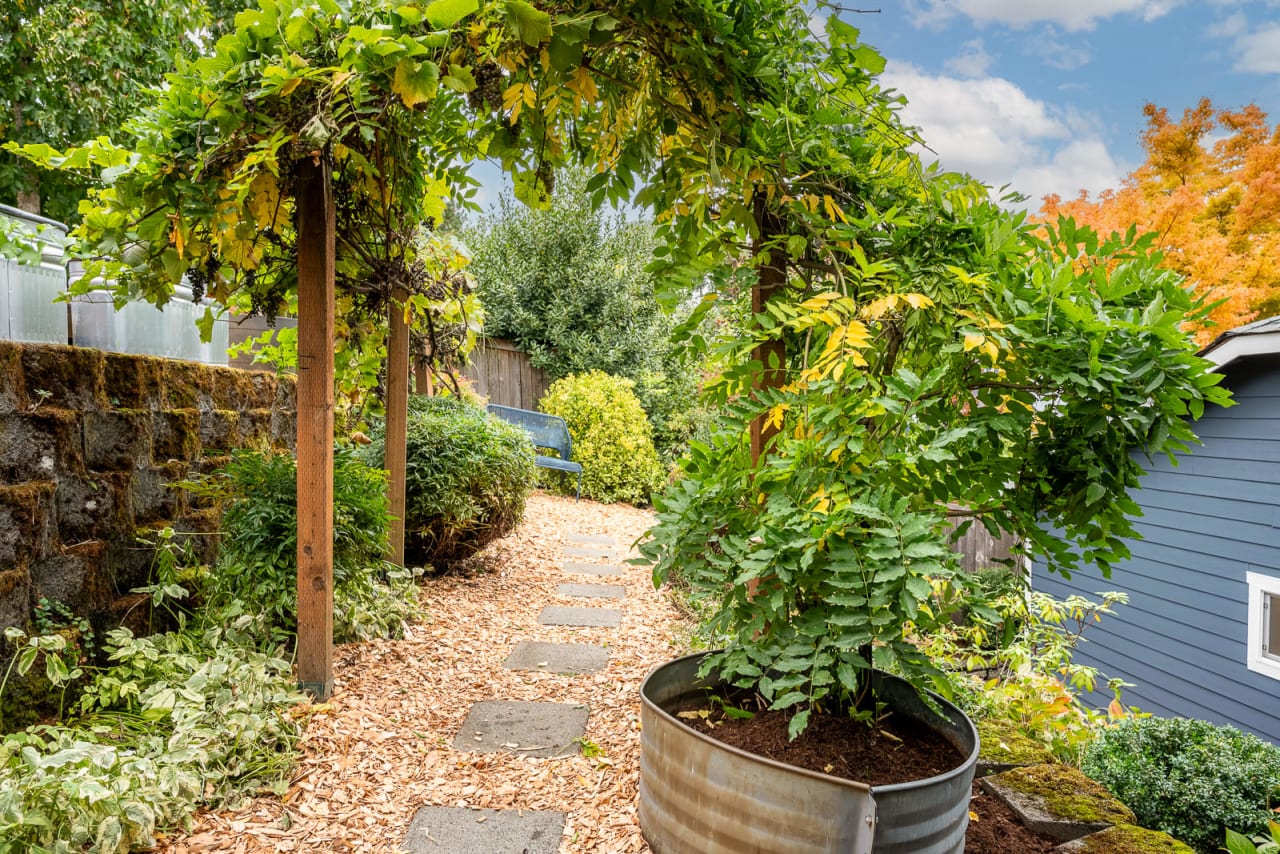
[1258, 52]
[993, 130]
[1074, 15]
[974, 62]
[1231, 26]
[1065, 56]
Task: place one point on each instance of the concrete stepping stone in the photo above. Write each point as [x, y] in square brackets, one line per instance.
[556, 615]
[459, 830]
[597, 539]
[592, 591]
[576, 551]
[592, 568]
[1057, 801]
[568, 658]
[525, 729]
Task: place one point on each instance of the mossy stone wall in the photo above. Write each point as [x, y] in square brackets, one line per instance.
[90, 445]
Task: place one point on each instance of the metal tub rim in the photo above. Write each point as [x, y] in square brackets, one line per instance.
[964, 767]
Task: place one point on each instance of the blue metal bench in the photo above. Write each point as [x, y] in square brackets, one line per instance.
[546, 431]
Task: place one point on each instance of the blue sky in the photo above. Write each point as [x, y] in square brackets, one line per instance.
[1047, 95]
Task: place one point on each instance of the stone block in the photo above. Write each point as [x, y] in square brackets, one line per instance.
[94, 507]
[77, 578]
[1126, 839]
[15, 598]
[70, 377]
[566, 658]
[187, 385]
[219, 429]
[117, 440]
[133, 381]
[525, 729]
[554, 615]
[1004, 748]
[175, 435]
[1057, 801]
[13, 395]
[25, 515]
[460, 830]
[589, 539]
[152, 498]
[588, 554]
[284, 428]
[40, 445]
[591, 591]
[592, 568]
[254, 428]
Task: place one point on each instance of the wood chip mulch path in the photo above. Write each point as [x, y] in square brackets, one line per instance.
[382, 747]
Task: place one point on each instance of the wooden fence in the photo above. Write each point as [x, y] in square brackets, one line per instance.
[502, 373]
[978, 549]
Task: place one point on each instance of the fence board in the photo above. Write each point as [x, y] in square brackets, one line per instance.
[978, 549]
[503, 374]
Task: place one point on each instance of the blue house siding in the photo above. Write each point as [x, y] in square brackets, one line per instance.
[1207, 521]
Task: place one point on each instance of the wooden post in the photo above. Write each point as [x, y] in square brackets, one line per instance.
[315, 224]
[397, 419]
[770, 278]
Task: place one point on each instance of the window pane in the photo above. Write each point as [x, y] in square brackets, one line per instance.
[1271, 624]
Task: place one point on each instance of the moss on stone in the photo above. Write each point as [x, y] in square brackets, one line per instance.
[1002, 743]
[175, 435]
[1129, 839]
[12, 389]
[71, 377]
[133, 381]
[1068, 794]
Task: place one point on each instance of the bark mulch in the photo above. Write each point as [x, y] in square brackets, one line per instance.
[381, 748]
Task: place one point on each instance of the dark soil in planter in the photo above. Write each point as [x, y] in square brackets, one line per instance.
[896, 750]
[994, 829]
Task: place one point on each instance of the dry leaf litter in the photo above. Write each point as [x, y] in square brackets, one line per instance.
[383, 745]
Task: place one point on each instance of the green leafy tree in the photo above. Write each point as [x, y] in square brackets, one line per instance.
[569, 285]
[72, 70]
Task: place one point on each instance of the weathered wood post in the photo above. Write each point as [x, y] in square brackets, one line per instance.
[394, 458]
[316, 307]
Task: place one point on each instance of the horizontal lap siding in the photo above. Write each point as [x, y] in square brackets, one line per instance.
[1215, 516]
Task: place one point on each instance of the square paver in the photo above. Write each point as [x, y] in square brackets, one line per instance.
[555, 615]
[557, 657]
[592, 591]
[592, 568]
[459, 830]
[525, 729]
[578, 551]
[597, 539]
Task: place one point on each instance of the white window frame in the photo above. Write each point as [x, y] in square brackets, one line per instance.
[1260, 586]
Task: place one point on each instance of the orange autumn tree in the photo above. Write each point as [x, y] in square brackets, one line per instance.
[1210, 191]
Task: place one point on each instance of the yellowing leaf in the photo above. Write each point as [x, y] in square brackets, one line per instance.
[415, 82]
[287, 89]
[917, 300]
[582, 84]
[971, 341]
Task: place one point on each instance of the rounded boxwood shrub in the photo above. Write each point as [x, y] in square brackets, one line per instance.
[612, 438]
[1189, 778]
[467, 479]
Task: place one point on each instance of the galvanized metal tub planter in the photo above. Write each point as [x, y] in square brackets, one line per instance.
[701, 796]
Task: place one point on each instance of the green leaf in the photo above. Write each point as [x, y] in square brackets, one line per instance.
[459, 79]
[532, 26]
[1239, 844]
[796, 725]
[443, 14]
[1094, 493]
[416, 82]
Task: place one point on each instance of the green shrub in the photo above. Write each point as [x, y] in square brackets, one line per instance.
[1189, 778]
[257, 559]
[611, 436]
[467, 479]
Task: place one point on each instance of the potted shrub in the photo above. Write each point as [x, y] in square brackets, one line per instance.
[967, 365]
